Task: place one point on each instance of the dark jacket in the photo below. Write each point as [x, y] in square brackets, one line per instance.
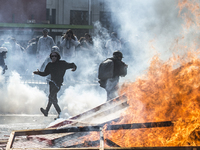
[120, 68]
[57, 70]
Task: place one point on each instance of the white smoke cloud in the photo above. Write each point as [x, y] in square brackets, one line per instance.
[150, 26]
[20, 98]
[80, 98]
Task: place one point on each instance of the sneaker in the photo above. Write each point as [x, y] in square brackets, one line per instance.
[44, 112]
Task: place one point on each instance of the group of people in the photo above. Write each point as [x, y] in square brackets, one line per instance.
[55, 67]
[68, 44]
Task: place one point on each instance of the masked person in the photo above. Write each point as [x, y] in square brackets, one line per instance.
[56, 68]
[109, 72]
[48, 59]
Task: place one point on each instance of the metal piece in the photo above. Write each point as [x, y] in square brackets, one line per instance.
[86, 129]
[140, 125]
[94, 128]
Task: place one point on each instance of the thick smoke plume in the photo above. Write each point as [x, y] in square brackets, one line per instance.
[151, 28]
[19, 98]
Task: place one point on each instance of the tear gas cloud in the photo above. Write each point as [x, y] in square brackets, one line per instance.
[150, 26]
[17, 97]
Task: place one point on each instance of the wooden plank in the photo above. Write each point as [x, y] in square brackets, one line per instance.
[106, 110]
[93, 119]
[101, 146]
[89, 112]
[3, 141]
[10, 140]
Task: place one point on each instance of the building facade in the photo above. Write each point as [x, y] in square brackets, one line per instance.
[25, 19]
[22, 11]
[78, 12]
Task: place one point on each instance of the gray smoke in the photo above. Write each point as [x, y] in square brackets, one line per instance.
[150, 26]
[18, 97]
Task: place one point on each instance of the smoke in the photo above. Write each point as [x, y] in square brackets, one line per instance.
[80, 98]
[150, 27]
[18, 97]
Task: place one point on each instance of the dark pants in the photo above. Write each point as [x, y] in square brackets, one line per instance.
[53, 90]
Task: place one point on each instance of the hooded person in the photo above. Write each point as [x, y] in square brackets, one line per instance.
[3, 51]
[48, 59]
[56, 68]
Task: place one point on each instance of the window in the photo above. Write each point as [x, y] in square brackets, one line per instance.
[51, 18]
[13, 18]
[105, 19]
[48, 14]
[78, 17]
[108, 21]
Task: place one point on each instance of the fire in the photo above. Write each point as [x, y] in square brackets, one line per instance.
[164, 94]
[169, 91]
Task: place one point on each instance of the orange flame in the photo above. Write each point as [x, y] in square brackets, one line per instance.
[169, 91]
[163, 94]
[166, 94]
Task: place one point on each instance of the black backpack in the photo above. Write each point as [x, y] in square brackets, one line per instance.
[106, 69]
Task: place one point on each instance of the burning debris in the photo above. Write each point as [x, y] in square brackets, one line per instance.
[160, 109]
[163, 106]
[163, 94]
[71, 132]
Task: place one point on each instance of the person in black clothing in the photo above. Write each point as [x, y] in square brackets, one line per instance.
[56, 69]
[119, 68]
[3, 51]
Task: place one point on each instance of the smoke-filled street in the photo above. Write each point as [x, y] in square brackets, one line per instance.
[13, 122]
[158, 43]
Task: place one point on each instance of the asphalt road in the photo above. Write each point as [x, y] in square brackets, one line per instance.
[13, 122]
